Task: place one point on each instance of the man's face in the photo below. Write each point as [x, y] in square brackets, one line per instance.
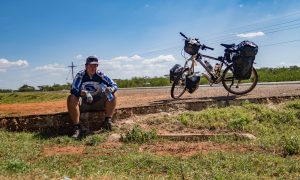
[91, 68]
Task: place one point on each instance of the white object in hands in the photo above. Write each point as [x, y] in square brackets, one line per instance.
[89, 97]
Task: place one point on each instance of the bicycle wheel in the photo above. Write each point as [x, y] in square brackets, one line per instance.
[238, 87]
[178, 86]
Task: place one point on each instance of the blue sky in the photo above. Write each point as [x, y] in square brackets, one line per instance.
[40, 38]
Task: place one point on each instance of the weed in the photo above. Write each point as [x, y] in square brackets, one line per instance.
[94, 140]
[239, 123]
[15, 165]
[290, 145]
[294, 105]
[137, 135]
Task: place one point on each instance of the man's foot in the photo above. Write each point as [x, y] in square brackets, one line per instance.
[107, 125]
[78, 134]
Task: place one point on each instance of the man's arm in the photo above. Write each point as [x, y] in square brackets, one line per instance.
[76, 85]
[108, 81]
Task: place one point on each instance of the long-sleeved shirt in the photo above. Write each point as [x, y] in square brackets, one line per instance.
[92, 84]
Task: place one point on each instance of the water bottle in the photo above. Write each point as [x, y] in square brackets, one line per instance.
[109, 95]
[217, 69]
[209, 66]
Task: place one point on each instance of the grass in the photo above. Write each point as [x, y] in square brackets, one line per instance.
[137, 135]
[269, 124]
[29, 97]
[276, 127]
[128, 162]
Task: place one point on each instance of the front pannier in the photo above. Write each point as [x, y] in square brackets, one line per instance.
[175, 72]
[243, 60]
[192, 83]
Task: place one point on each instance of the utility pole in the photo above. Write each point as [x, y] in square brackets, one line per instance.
[72, 67]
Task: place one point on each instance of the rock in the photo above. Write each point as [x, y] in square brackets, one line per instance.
[248, 136]
[114, 138]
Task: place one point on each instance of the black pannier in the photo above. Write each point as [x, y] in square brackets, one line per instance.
[243, 60]
[175, 72]
[191, 46]
[192, 83]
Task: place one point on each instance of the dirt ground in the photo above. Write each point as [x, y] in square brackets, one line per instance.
[182, 148]
[142, 97]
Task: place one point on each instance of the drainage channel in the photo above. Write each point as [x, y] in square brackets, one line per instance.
[60, 123]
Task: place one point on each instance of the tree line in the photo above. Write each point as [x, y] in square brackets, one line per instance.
[291, 73]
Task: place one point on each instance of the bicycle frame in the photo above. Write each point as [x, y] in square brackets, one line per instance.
[198, 58]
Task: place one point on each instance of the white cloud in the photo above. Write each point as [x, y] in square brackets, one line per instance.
[127, 67]
[159, 59]
[79, 57]
[251, 34]
[136, 57]
[120, 58]
[6, 64]
[52, 68]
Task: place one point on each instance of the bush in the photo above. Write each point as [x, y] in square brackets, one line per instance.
[137, 135]
[16, 165]
[239, 123]
[290, 145]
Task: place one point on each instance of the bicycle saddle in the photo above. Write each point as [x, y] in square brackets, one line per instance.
[227, 46]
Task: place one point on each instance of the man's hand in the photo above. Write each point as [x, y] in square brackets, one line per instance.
[89, 97]
[108, 90]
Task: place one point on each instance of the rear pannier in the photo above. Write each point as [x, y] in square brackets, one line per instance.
[175, 72]
[243, 60]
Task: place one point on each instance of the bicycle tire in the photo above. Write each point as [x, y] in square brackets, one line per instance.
[178, 80]
[235, 90]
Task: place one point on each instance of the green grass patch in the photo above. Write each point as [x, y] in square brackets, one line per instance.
[29, 97]
[276, 127]
[268, 124]
[279, 74]
[129, 163]
[137, 135]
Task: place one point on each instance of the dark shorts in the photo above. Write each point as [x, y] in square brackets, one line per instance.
[97, 105]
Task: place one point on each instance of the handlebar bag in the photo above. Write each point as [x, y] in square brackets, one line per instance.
[191, 46]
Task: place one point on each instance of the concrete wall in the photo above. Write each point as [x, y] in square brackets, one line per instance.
[60, 123]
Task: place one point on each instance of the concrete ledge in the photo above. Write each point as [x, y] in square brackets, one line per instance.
[61, 124]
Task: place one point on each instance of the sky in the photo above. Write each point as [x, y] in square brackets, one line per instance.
[39, 39]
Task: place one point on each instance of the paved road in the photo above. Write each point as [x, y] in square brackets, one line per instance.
[151, 96]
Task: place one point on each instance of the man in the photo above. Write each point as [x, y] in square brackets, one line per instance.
[91, 90]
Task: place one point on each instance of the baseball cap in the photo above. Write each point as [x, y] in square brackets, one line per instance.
[91, 60]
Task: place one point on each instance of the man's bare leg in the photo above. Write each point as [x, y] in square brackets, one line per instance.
[73, 108]
[110, 107]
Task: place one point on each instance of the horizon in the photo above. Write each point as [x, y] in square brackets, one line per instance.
[39, 40]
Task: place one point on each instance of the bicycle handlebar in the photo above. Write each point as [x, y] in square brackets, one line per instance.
[183, 35]
[202, 46]
[206, 47]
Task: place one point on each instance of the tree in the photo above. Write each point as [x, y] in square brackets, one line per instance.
[26, 88]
